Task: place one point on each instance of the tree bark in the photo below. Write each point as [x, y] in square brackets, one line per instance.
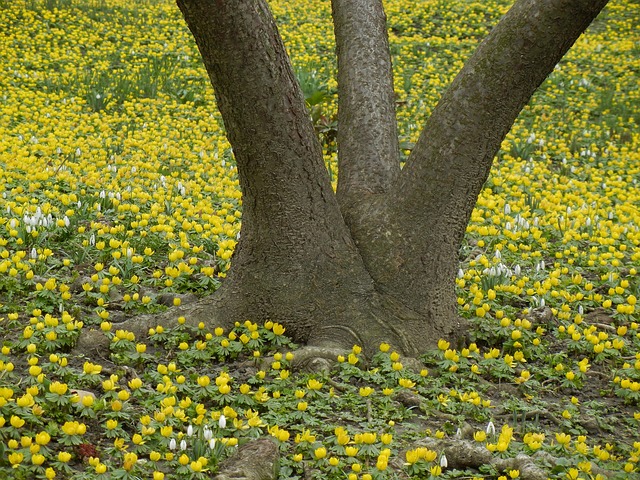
[426, 212]
[378, 262]
[368, 157]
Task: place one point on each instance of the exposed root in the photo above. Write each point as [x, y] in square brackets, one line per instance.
[316, 359]
[256, 460]
[463, 454]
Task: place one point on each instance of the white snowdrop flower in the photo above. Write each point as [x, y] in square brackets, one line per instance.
[212, 443]
[189, 430]
[183, 444]
[507, 209]
[542, 265]
[580, 309]
[92, 239]
[587, 222]
[531, 138]
[536, 222]
[491, 429]
[508, 226]
[78, 152]
[458, 433]
[569, 210]
[34, 253]
[172, 444]
[208, 434]
[610, 215]
[58, 150]
[66, 220]
[98, 96]
[498, 255]
[102, 194]
[443, 461]
[28, 228]
[222, 421]
[517, 270]
[460, 273]
[542, 302]
[134, 169]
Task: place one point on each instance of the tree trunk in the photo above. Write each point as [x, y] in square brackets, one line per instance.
[377, 262]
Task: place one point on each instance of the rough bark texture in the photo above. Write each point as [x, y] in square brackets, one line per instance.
[387, 272]
[368, 157]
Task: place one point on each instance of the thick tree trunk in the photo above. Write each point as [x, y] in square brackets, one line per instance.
[377, 263]
[296, 262]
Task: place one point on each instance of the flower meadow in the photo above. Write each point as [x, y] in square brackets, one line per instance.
[119, 197]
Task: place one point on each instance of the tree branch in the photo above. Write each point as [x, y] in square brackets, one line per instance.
[368, 154]
[261, 103]
[455, 151]
[413, 252]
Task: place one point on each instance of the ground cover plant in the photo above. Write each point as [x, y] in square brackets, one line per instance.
[119, 197]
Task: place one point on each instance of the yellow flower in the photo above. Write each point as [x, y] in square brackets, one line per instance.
[314, 384]
[16, 422]
[563, 439]
[365, 391]
[15, 459]
[320, 453]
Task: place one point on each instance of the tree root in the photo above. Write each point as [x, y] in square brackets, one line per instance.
[256, 460]
[317, 358]
[462, 454]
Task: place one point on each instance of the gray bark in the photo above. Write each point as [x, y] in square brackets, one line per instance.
[368, 155]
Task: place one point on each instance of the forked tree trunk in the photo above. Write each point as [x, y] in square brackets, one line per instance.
[377, 261]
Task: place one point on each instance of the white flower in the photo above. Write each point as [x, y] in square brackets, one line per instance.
[222, 422]
[212, 443]
[183, 444]
[491, 429]
[172, 444]
[207, 433]
[443, 461]
[189, 430]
